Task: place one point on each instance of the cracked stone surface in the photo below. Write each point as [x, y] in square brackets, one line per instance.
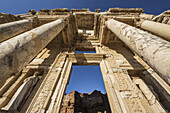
[154, 50]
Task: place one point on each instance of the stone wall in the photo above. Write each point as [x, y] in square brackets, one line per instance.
[94, 102]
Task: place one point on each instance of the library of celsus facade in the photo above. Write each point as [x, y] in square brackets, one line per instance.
[38, 50]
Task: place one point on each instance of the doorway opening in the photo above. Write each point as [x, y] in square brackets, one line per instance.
[85, 52]
[86, 91]
[86, 79]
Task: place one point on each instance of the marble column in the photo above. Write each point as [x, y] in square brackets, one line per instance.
[9, 30]
[160, 29]
[18, 51]
[153, 49]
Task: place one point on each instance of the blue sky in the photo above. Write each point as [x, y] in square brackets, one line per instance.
[22, 6]
[86, 79]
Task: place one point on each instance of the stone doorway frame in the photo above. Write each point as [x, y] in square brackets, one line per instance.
[93, 59]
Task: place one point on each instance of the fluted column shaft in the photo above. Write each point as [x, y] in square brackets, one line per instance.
[154, 50]
[18, 51]
[160, 29]
[8, 30]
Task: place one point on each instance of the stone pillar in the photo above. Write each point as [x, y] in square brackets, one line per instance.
[154, 50]
[11, 29]
[160, 29]
[18, 51]
[57, 97]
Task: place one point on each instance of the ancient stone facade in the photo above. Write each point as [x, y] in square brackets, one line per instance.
[38, 49]
[76, 102]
